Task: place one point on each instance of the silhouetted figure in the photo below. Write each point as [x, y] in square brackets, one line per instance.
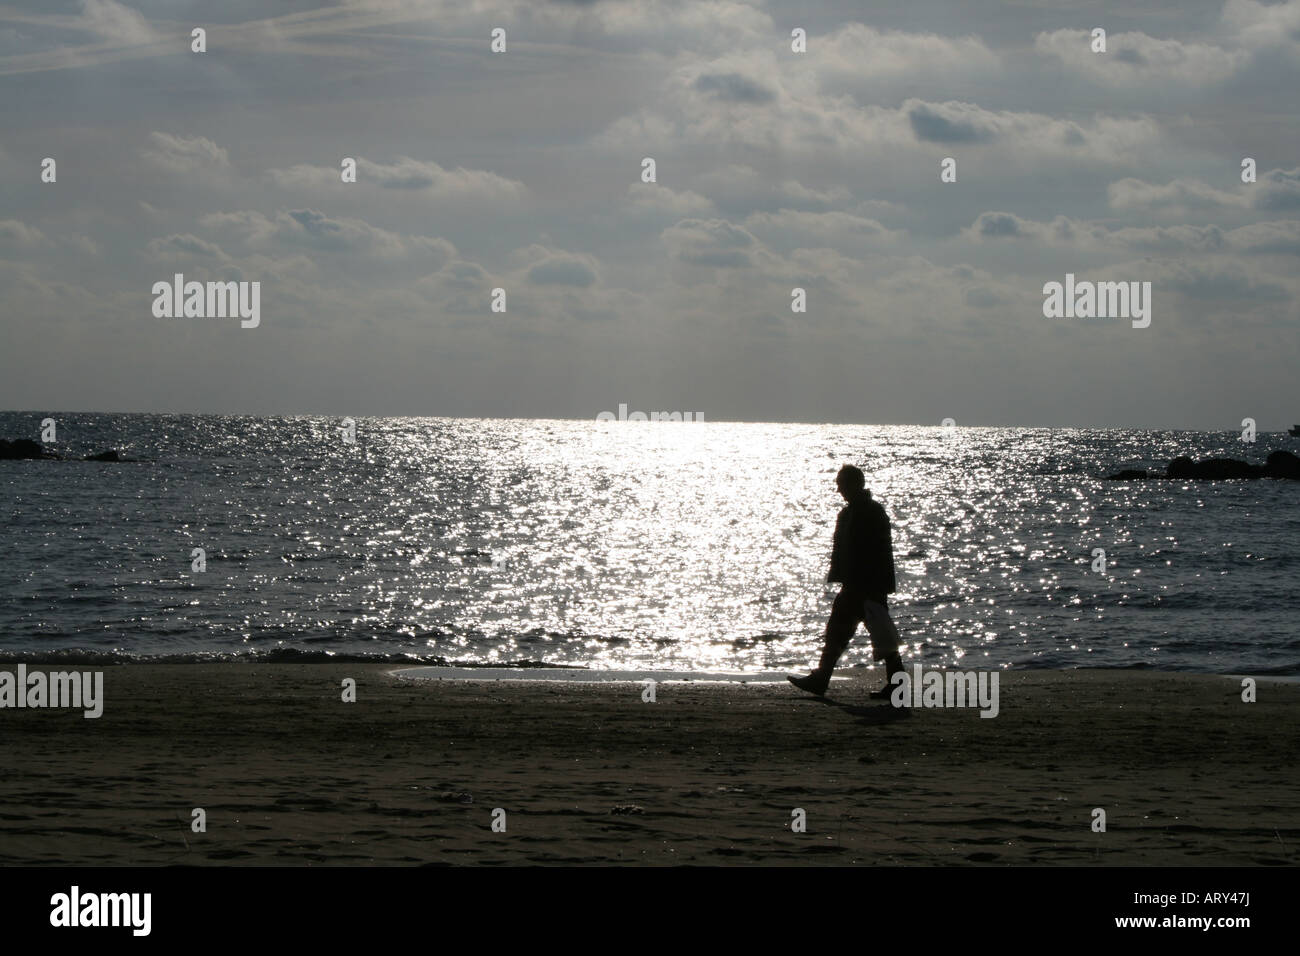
[862, 563]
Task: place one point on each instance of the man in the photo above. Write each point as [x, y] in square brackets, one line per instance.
[862, 563]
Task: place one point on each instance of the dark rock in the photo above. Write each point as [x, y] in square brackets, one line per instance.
[1216, 469]
[1282, 464]
[23, 449]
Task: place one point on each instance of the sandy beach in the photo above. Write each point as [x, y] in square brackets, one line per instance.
[588, 773]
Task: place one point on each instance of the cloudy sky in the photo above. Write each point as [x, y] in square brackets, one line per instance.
[523, 170]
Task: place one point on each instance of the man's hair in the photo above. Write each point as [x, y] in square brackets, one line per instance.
[852, 477]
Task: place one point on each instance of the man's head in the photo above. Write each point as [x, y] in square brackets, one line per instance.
[850, 481]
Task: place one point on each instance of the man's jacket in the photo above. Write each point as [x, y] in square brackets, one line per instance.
[862, 556]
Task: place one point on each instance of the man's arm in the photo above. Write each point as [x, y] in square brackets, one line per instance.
[835, 574]
[878, 550]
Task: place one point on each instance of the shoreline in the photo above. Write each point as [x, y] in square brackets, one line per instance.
[587, 772]
[81, 659]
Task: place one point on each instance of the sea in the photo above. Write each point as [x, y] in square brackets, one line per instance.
[683, 546]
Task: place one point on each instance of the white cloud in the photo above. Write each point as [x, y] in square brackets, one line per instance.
[711, 243]
[184, 246]
[116, 22]
[857, 52]
[1182, 194]
[564, 269]
[1276, 237]
[425, 178]
[995, 226]
[1281, 237]
[1277, 189]
[1263, 26]
[184, 154]
[741, 187]
[1138, 60]
[807, 124]
[325, 234]
[21, 234]
[803, 227]
[652, 200]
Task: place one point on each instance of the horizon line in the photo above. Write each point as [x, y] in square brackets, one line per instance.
[593, 419]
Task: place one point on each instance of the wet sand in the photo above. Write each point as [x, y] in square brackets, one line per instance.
[588, 773]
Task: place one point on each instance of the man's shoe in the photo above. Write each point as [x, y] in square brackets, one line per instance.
[814, 683]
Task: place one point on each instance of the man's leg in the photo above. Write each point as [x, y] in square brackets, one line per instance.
[884, 640]
[845, 614]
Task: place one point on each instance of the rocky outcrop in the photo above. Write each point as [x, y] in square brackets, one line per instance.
[1280, 464]
[23, 449]
[1216, 469]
